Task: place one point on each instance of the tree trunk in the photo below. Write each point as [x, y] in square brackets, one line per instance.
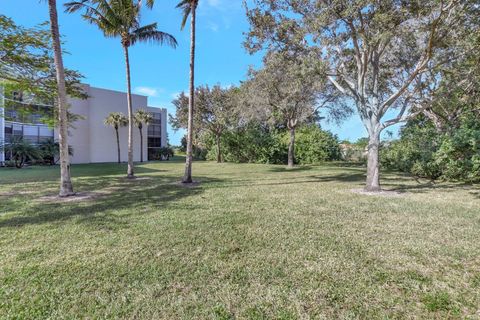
[219, 149]
[291, 148]
[141, 144]
[118, 146]
[187, 178]
[373, 165]
[130, 173]
[66, 187]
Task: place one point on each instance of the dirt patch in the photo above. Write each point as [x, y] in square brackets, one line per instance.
[382, 193]
[78, 197]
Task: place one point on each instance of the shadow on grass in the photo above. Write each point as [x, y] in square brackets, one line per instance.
[285, 169]
[118, 199]
[36, 173]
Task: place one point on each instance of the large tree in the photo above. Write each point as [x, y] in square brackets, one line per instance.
[289, 90]
[189, 9]
[66, 187]
[215, 110]
[121, 19]
[377, 51]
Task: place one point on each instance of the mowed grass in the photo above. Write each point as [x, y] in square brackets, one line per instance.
[250, 242]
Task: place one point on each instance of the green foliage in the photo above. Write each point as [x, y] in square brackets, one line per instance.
[424, 152]
[166, 153]
[414, 152]
[459, 154]
[50, 151]
[27, 61]
[255, 143]
[21, 151]
[252, 143]
[314, 145]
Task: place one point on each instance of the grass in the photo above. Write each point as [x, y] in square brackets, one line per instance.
[250, 242]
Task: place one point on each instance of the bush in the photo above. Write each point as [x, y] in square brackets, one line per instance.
[313, 145]
[255, 143]
[21, 152]
[424, 152]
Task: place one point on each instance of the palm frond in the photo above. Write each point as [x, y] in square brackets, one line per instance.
[186, 6]
[149, 33]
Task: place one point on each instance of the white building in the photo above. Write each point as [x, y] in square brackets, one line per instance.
[92, 141]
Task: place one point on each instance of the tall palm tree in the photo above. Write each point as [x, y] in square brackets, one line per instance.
[142, 117]
[66, 187]
[116, 120]
[121, 18]
[189, 8]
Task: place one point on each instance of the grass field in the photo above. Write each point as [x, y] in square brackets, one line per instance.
[249, 242]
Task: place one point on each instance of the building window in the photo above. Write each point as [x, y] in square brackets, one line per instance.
[154, 133]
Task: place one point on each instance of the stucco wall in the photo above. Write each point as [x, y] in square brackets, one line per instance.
[91, 139]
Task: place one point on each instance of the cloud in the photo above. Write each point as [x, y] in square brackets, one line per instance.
[148, 91]
[214, 3]
[212, 26]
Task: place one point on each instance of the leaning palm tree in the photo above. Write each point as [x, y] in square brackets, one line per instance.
[121, 18]
[66, 187]
[116, 120]
[142, 117]
[189, 7]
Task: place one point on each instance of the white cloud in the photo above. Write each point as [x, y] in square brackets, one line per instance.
[148, 91]
[212, 26]
[214, 3]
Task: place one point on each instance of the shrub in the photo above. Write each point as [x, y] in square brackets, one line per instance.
[21, 151]
[314, 145]
[424, 152]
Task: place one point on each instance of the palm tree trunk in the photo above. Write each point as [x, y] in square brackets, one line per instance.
[291, 148]
[141, 144]
[187, 178]
[66, 187]
[118, 146]
[130, 173]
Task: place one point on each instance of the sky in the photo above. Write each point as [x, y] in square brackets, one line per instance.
[161, 72]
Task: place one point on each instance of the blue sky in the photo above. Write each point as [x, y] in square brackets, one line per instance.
[160, 72]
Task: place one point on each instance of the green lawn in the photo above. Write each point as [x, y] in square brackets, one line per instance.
[250, 242]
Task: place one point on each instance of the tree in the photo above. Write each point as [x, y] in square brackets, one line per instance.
[376, 51]
[215, 110]
[121, 18]
[189, 8]
[142, 117]
[26, 61]
[288, 89]
[66, 187]
[116, 120]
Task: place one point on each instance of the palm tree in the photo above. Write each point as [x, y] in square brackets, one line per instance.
[66, 187]
[121, 18]
[189, 7]
[116, 120]
[142, 117]
[21, 151]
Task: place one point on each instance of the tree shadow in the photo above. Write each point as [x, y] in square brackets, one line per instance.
[117, 199]
[285, 169]
[36, 173]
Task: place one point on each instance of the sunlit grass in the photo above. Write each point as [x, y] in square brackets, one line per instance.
[251, 242]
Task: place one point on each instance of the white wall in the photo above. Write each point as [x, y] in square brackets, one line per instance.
[91, 139]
